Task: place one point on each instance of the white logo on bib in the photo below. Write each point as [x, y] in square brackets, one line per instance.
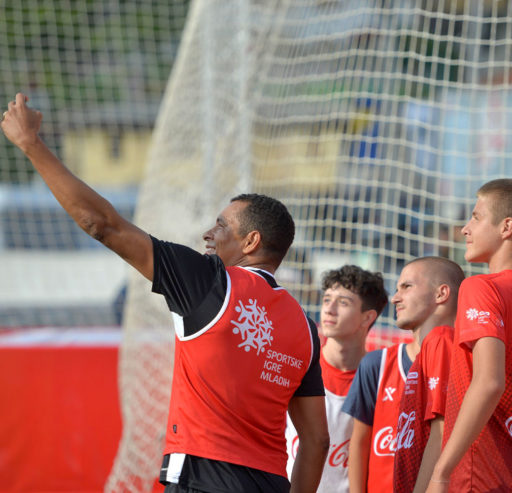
[254, 327]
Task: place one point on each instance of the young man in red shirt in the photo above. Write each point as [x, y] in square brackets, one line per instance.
[352, 300]
[432, 283]
[374, 397]
[477, 451]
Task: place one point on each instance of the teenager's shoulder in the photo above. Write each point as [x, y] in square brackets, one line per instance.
[371, 360]
[486, 287]
[478, 280]
[439, 333]
[437, 343]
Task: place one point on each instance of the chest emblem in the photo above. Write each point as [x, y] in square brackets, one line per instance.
[432, 382]
[253, 326]
[389, 391]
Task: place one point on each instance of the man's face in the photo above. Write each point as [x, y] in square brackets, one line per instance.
[483, 237]
[341, 315]
[414, 299]
[223, 239]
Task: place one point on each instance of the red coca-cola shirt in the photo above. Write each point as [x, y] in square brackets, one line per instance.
[423, 399]
[391, 385]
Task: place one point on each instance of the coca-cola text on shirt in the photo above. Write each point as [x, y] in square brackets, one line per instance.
[405, 431]
[384, 442]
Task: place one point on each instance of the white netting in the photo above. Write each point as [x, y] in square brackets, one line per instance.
[375, 121]
[97, 70]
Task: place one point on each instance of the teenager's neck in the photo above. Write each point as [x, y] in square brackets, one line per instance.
[343, 355]
[499, 263]
[413, 348]
[435, 320]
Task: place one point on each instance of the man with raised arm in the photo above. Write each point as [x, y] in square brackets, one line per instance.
[477, 450]
[352, 300]
[245, 351]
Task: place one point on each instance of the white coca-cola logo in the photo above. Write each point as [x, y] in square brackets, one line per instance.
[338, 456]
[384, 442]
[508, 425]
[405, 433]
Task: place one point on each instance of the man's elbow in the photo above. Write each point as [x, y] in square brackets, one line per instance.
[323, 443]
[317, 442]
[101, 227]
[497, 388]
[93, 226]
[492, 389]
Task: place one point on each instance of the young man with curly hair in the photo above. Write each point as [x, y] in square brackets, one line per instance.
[352, 300]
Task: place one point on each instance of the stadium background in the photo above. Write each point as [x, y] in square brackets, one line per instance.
[375, 121]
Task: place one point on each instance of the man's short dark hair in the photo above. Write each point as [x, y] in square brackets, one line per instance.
[369, 286]
[271, 218]
[442, 270]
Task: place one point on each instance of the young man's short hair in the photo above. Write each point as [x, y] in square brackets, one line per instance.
[369, 286]
[271, 218]
[443, 271]
[501, 191]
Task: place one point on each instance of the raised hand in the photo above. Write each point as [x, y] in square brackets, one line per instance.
[20, 123]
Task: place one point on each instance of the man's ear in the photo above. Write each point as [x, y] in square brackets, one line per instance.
[442, 293]
[251, 242]
[506, 231]
[369, 316]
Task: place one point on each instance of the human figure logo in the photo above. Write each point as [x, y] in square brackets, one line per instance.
[254, 327]
[389, 391]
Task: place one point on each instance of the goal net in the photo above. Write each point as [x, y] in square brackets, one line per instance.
[375, 121]
[97, 71]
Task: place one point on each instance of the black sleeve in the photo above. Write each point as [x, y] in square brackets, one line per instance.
[312, 383]
[186, 278]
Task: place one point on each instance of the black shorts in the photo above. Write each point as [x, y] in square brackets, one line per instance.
[200, 475]
[176, 488]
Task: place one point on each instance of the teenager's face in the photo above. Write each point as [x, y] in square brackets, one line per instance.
[223, 239]
[414, 299]
[483, 238]
[341, 314]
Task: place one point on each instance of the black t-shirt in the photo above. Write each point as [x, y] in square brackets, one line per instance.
[195, 287]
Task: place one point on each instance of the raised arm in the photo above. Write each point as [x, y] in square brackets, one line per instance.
[308, 417]
[90, 211]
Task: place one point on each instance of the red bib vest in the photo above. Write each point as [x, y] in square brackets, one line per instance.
[233, 379]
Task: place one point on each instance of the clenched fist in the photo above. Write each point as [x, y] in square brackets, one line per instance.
[20, 123]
